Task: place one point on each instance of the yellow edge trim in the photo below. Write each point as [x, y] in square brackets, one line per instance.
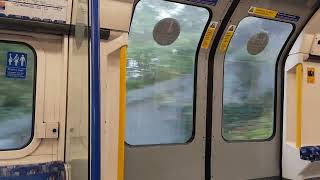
[122, 111]
[299, 71]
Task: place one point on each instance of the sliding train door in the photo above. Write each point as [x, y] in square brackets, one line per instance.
[167, 67]
[247, 88]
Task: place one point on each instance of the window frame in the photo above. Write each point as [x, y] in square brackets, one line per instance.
[33, 95]
[39, 101]
[276, 94]
[195, 76]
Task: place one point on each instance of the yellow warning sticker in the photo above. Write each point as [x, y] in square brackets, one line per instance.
[227, 38]
[311, 75]
[209, 35]
[263, 12]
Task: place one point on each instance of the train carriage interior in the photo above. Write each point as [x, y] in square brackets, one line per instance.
[159, 89]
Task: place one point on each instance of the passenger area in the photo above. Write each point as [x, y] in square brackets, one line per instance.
[301, 147]
[44, 171]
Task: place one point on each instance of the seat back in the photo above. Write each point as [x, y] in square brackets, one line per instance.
[42, 171]
[310, 153]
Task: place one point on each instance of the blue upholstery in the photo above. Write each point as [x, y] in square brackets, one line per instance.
[310, 153]
[43, 171]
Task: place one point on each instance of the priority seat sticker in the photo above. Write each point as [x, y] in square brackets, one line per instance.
[272, 14]
[16, 65]
[209, 35]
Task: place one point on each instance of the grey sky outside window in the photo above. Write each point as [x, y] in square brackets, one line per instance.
[160, 75]
[249, 79]
[16, 99]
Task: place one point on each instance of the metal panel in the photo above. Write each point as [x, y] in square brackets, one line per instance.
[251, 160]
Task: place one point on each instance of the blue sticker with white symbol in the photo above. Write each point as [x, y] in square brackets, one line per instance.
[208, 2]
[16, 65]
[288, 17]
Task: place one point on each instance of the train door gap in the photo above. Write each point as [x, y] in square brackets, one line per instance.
[209, 124]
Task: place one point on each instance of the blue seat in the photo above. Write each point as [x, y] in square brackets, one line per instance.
[310, 153]
[43, 171]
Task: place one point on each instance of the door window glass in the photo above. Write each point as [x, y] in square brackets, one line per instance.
[163, 42]
[249, 78]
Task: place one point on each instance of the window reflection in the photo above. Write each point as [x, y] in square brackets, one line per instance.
[160, 78]
[249, 78]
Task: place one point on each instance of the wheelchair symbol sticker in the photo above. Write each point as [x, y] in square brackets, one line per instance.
[16, 65]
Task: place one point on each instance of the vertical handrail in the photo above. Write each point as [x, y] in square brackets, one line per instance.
[299, 74]
[122, 111]
[95, 92]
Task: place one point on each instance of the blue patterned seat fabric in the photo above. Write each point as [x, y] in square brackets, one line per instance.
[43, 171]
[310, 153]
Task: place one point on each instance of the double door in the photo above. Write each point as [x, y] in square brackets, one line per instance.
[205, 88]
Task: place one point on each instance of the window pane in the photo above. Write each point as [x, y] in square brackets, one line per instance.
[249, 78]
[162, 49]
[17, 80]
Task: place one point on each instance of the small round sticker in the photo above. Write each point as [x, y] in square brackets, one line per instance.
[257, 43]
[166, 31]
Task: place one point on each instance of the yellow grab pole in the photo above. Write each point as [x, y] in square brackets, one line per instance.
[122, 111]
[299, 73]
